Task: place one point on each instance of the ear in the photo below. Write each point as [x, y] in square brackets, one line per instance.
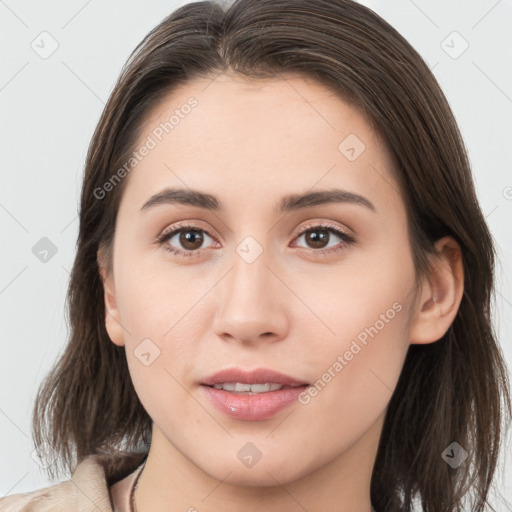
[440, 295]
[112, 317]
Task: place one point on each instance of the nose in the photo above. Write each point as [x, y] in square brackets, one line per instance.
[251, 303]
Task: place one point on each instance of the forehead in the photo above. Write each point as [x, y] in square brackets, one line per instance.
[252, 136]
[237, 109]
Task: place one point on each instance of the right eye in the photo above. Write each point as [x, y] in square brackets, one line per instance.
[190, 237]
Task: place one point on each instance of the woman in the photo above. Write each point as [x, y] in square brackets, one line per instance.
[281, 293]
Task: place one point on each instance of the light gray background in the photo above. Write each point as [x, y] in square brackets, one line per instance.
[49, 108]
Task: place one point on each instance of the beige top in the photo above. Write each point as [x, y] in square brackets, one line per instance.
[100, 483]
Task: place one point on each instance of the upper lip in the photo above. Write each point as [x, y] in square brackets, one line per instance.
[258, 376]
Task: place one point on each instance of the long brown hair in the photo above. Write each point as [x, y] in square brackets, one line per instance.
[456, 389]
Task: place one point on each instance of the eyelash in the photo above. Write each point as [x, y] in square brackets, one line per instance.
[347, 239]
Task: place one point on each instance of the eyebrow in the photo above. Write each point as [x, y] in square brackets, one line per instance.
[289, 203]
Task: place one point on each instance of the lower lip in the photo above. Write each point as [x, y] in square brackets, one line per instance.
[257, 407]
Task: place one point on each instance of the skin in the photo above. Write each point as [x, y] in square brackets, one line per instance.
[250, 142]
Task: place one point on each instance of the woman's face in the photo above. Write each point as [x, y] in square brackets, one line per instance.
[273, 270]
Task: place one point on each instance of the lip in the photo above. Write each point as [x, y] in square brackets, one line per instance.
[256, 407]
[258, 376]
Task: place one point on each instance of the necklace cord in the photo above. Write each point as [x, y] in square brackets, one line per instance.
[134, 487]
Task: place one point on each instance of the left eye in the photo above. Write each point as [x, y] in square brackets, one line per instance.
[318, 235]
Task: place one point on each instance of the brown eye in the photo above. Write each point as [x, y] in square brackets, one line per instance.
[184, 240]
[191, 239]
[319, 237]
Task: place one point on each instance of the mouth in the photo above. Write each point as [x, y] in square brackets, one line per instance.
[252, 395]
[242, 388]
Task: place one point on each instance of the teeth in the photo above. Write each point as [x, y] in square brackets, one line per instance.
[238, 387]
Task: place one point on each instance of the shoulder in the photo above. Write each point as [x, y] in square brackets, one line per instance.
[87, 489]
[55, 498]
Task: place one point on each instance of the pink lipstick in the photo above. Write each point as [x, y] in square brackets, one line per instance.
[251, 395]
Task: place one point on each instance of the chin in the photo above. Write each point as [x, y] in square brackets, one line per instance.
[268, 473]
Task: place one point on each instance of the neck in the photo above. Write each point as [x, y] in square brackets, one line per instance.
[172, 482]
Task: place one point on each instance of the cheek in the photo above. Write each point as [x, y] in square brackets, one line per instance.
[160, 353]
[163, 318]
[355, 373]
[365, 348]
[361, 343]
[154, 298]
[359, 301]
